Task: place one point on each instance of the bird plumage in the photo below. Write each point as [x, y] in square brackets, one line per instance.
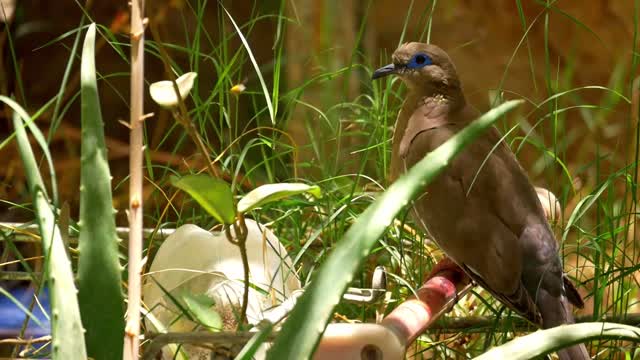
[482, 211]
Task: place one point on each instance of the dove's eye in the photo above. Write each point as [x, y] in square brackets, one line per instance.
[419, 60]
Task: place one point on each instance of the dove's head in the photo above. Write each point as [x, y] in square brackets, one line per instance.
[421, 66]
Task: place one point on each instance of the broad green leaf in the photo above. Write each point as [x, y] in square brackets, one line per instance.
[212, 194]
[164, 94]
[306, 323]
[201, 307]
[66, 326]
[99, 270]
[542, 342]
[273, 192]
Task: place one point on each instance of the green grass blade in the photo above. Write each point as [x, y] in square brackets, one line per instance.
[56, 118]
[19, 305]
[543, 342]
[267, 97]
[99, 271]
[302, 330]
[582, 207]
[66, 326]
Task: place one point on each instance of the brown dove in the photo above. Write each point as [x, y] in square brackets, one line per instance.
[482, 211]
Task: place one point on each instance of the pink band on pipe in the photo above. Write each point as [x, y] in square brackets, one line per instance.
[411, 318]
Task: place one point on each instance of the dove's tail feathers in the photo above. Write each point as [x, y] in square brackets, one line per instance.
[557, 311]
[572, 293]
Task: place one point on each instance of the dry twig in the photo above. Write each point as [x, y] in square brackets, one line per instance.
[132, 330]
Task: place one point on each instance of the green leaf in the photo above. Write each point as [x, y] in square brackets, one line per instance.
[200, 306]
[273, 192]
[212, 194]
[66, 326]
[31, 169]
[542, 342]
[306, 323]
[42, 142]
[99, 270]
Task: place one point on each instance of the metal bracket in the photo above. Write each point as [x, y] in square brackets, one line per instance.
[369, 295]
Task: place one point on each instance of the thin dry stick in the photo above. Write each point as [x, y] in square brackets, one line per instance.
[218, 339]
[20, 341]
[132, 330]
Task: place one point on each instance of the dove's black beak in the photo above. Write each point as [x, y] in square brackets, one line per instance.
[384, 71]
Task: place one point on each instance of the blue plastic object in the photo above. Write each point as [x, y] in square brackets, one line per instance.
[12, 317]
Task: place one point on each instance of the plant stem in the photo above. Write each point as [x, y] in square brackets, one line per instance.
[191, 130]
[182, 117]
[242, 244]
[132, 329]
[240, 230]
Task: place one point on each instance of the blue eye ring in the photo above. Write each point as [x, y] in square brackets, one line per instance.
[419, 60]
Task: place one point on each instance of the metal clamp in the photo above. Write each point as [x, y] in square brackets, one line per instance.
[369, 295]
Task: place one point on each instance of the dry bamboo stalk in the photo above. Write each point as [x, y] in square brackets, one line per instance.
[132, 330]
